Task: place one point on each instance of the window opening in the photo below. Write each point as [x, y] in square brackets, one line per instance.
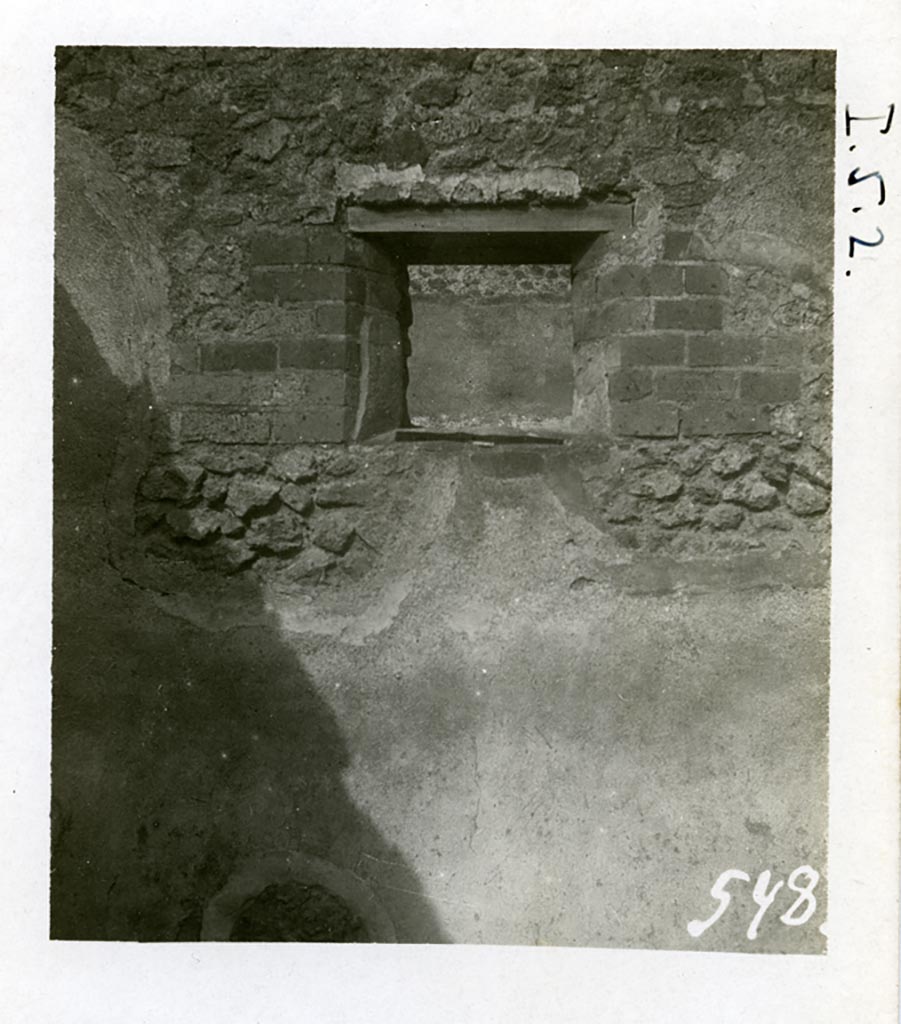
[491, 348]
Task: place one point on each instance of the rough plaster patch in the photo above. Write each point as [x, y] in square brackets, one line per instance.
[473, 619]
[543, 182]
[758, 248]
[294, 616]
[354, 179]
[109, 262]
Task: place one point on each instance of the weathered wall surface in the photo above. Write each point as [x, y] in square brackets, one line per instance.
[112, 310]
[455, 672]
[711, 319]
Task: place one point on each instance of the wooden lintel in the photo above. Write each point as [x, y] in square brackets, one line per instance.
[592, 219]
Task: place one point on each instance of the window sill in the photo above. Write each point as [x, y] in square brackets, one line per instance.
[482, 438]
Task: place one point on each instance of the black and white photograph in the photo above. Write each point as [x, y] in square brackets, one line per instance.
[442, 447]
[443, 548]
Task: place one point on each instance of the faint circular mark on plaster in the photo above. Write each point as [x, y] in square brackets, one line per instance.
[288, 869]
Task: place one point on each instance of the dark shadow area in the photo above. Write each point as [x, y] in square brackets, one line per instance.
[179, 752]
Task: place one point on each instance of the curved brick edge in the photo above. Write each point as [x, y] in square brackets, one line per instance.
[293, 866]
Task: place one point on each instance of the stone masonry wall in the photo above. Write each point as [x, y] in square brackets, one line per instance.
[702, 338]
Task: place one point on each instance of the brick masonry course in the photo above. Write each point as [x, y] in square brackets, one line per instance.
[317, 387]
[646, 418]
[709, 418]
[253, 357]
[331, 353]
[306, 284]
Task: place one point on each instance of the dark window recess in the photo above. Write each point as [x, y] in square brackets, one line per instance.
[491, 350]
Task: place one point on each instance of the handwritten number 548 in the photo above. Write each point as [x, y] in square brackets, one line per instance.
[800, 912]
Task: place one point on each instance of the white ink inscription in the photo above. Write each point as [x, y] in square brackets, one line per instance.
[763, 896]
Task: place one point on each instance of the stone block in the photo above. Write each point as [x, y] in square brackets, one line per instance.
[320, 353]
[214, 488]
[628, 385]
[318, 244]
[709, 418]
[327, 245]
[229, 524]
[323, 424]
[690, 385]
[688, 314]
[174, 481]
[664, 280]
[249, 494]
[751, 491]
[266, 141]
[218, 426]
[706, 488]
[815, 468]
[383, 293]
[338, 318]
[723, 350]
[309, 388]
[676, 244]
[732, 460]
[369, 255]
[249, 356]
[194, 523]
[804, 499]
[342, 464]
[705, 280]
[783, 351]
[282, 532]
[270, 248]
[691, 460]
[305, 284]
[298, 498]
[774, 468]
[684, 512]
[233, 553]
[296, 465]
[645, 418]
[623, 315]
[660, 484]
[624, 282]
[317, 387]
[770, 387]
[652, 350]
[336, 535]
[725, 517]
[385, 330]
[184, 357]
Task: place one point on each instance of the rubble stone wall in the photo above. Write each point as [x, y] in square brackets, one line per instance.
[702, 337]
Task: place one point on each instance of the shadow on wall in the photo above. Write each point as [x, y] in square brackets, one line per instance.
[179, 753]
